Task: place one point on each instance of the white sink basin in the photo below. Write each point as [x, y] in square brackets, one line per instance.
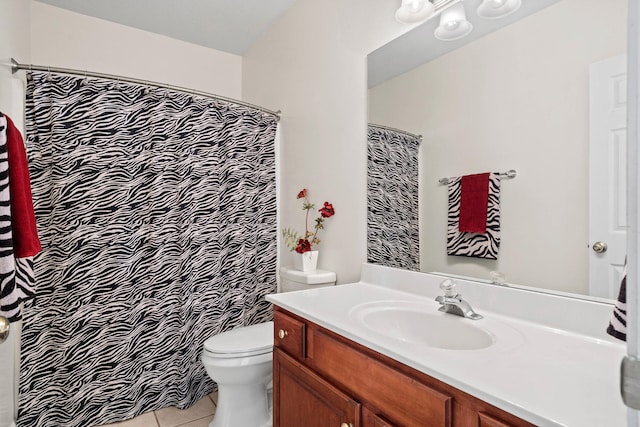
[422, 324]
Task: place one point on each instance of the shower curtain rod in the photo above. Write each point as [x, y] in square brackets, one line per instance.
[15, 67]
[396, 130]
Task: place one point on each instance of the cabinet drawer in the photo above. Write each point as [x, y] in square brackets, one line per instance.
[399, 398]
[289, 335]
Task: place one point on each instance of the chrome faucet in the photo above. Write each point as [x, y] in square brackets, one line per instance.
[452, 302]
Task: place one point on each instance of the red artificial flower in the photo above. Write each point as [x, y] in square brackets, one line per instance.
[302, 243]
[327, 210]
[303, 246]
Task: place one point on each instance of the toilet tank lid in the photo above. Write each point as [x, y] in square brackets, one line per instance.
[307, 278]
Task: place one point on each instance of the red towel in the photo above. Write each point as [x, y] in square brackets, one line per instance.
[474, 199]
[23, 219]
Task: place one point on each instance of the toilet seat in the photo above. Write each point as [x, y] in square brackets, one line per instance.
[245, 341]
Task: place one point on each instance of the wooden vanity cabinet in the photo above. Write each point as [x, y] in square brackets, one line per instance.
[323, 379]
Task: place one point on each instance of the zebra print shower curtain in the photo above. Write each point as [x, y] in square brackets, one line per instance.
[156, 210]
[392, 199]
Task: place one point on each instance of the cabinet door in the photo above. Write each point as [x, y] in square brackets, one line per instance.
[301, 398]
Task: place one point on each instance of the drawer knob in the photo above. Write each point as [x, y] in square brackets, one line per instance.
[346, 425]
[282, 333]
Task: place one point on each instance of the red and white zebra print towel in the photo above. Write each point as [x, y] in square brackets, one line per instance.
[18, 235]
[470, 244]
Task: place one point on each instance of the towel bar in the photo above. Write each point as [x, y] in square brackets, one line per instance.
[508, 174]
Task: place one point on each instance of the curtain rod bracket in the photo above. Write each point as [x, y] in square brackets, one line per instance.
[15, 67]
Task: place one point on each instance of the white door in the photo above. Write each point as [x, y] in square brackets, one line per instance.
[607, 175]
[8, 351]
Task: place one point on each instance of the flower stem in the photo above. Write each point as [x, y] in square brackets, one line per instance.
[306, 221]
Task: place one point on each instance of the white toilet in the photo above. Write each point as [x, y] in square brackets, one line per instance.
[240, 361]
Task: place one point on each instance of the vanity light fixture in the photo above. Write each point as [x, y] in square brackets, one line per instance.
[412, 11]
[493, 9]
[453, 24]
[453, 19]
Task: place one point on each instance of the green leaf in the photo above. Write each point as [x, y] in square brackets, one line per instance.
[290, 238]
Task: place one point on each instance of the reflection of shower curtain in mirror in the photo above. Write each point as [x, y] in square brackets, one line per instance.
[157, 215]
[392, 192]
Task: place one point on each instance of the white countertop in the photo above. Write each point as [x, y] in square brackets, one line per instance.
[546, 375]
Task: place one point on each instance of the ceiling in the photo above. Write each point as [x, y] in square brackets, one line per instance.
[228, 25]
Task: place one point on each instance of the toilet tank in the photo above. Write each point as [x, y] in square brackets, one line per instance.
[296, 280]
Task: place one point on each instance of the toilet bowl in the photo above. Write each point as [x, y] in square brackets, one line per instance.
[240, 361]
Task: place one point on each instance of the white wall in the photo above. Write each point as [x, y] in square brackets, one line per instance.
[66, 39]
[515, 99]
[312, 65]
[14, 43]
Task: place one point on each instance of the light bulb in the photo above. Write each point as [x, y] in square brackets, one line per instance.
[415, 6]
[414, 11]
[493, 9]
[453, 24]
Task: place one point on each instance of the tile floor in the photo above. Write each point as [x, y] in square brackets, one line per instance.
[199, 415]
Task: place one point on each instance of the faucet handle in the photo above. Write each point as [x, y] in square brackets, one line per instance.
[448, 286]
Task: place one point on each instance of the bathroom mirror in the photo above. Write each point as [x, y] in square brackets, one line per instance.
[515, 97]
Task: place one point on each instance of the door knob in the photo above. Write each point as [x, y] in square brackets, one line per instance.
[4, 329]
[599, 247]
